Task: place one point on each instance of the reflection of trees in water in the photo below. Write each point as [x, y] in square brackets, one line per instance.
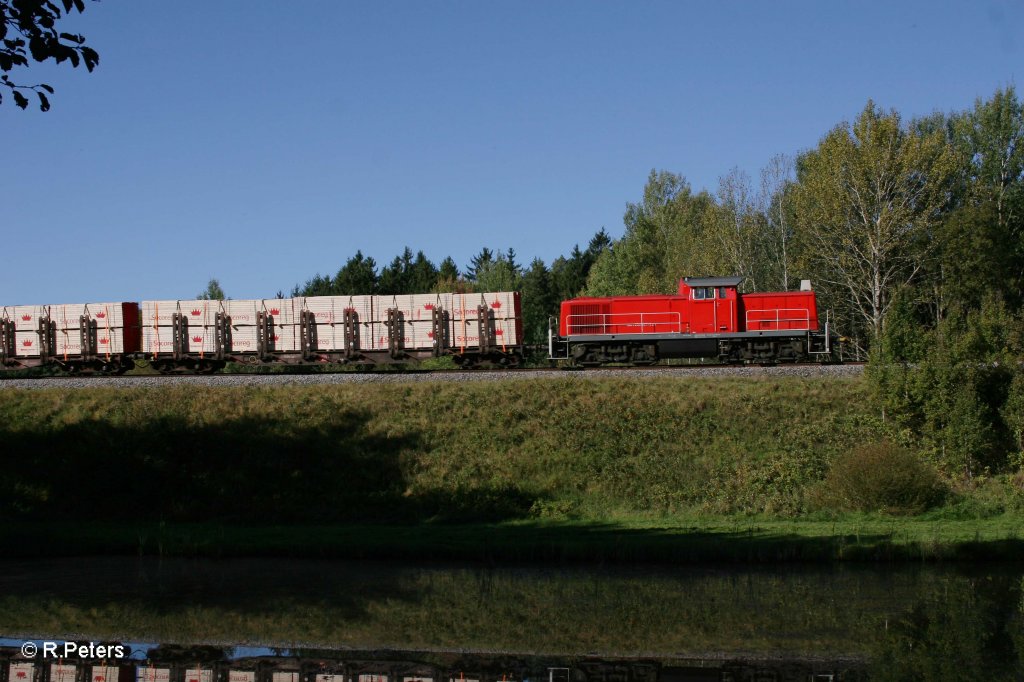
[961, 628]
[915, 618]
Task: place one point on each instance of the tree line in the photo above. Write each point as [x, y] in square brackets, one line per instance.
[911, 230]
[543, 286]
[930, 208]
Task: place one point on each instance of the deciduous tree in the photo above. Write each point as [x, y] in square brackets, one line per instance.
[29, 28]
[868, 198]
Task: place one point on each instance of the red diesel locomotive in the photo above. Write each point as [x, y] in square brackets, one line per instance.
[708, 318]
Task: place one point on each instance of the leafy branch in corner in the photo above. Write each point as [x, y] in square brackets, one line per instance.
[29, 27]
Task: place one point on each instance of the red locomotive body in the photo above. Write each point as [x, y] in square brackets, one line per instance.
[707, 318]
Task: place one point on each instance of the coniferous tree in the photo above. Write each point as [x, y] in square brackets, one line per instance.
[396, 278]
[481, 260]
[319, 285]
[422, 274]
[598, 243]
[448, 269]
[538, 301]
[357, 277]
[213, 292]
[498, 275]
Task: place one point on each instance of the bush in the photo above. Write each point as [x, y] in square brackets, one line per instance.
[883, 477]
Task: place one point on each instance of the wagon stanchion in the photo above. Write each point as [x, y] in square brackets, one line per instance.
[485, 329]
[47, 339]
[179, 336]
[8, 349]
[350, 320]
[307, 334]
[439, 320]
[264, 335]
[87, 337]
[396, 333]
[221, 335]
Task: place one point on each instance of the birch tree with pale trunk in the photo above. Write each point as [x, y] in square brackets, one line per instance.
[867, 199]
[776, 180]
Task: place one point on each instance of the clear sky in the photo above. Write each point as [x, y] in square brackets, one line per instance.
[262, 142]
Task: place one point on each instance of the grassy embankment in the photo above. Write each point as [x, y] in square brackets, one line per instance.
[572, 468]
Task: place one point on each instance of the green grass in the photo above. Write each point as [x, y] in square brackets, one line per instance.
[675, 540]
[574, 468]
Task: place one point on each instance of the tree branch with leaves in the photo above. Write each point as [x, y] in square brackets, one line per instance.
[29, 28]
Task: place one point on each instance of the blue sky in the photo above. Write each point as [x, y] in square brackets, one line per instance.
[263, 142]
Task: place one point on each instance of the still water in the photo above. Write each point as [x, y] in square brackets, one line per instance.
[886, 622]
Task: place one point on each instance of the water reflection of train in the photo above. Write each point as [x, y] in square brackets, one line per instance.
[207, 664]
[706, 318]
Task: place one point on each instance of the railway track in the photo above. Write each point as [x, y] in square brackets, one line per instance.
[420, 375]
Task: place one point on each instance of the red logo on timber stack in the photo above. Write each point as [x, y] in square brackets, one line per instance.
[21, 675]
[197, 339]
[428, 306]
[276, 337]
[99, 678]
[275, 311]
[26, 343]
[26, 318]
[101, 315]
[104, 342]
[350, 310]
[499, 332]
[430, 335]
[196, 312]
[496, 303]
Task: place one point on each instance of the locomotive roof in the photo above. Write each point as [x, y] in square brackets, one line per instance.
[712, 281]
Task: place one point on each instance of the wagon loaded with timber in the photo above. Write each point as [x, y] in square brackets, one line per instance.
[202, 335]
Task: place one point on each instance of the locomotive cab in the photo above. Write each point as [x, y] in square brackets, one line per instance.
[712, 303]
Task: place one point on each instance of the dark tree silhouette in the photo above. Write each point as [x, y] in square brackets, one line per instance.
[29, 28]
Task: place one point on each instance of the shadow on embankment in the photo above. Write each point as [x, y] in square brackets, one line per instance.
[253, 487]
[245, 470]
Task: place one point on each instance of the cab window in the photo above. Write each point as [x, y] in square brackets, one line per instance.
[702, 293]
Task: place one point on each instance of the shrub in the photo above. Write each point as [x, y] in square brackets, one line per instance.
[883, 477]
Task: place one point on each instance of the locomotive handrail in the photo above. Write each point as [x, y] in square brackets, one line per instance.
[774, 317]
[636, 323]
